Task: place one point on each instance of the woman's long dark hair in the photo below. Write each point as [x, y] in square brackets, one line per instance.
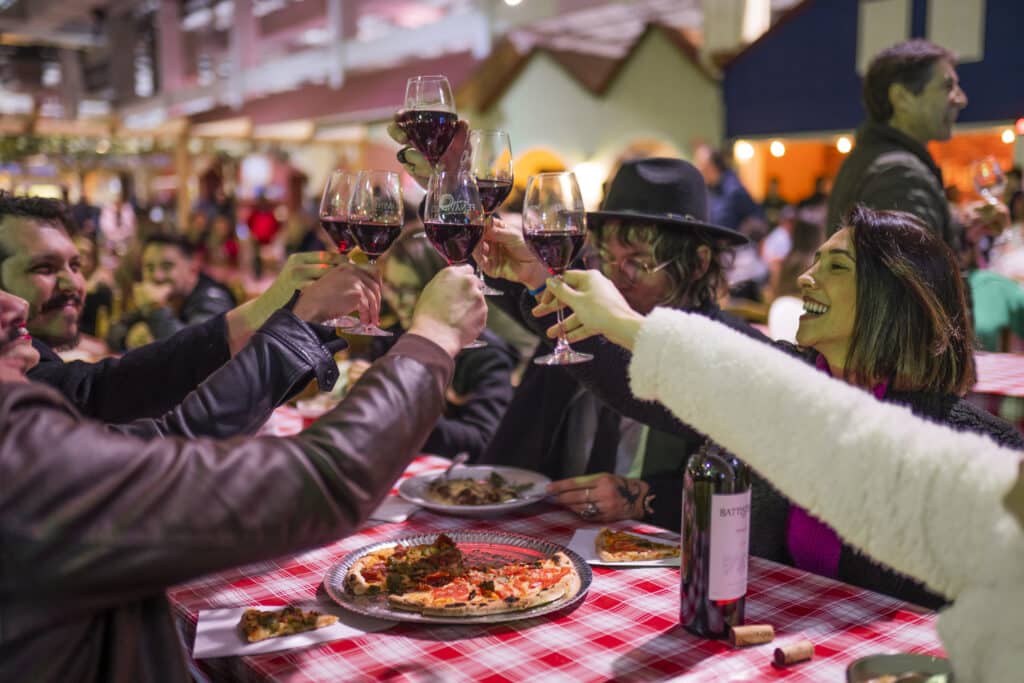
[912, 324]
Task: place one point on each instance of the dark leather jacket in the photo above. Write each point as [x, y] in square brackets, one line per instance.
[207, 299]
[124, 389]
[239, 397]
[95, 525]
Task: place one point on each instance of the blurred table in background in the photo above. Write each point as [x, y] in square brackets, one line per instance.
[1000, 385]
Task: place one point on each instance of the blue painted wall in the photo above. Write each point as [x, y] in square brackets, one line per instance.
[802, 76]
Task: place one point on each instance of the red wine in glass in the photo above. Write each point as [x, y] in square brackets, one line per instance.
[429, 130]
[455, 241]
[493, 193]
[337, 229]
[374, 238]
[555, 249]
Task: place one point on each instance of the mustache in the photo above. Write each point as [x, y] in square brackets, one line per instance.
[59, 301]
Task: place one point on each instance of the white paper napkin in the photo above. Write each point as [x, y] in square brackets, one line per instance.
[583, 543]
[217, 633]
[393, 509]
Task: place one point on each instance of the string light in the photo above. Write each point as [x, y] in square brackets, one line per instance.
[1008, 136]
[844, 145]
[777, 148]
[743, 151]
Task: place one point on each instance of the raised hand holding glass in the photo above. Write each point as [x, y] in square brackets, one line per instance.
[334, 221]
[554, 227]
[491, 165]
[375, 218]
[428, 116]
[453, 218]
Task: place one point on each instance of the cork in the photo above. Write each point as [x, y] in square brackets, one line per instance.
[751, 634]
[799, 651]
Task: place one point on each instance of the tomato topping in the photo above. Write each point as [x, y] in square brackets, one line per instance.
[456, 590]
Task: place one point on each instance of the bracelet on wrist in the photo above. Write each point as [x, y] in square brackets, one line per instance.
[537, 292]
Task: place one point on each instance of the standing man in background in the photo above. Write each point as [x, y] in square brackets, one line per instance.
[912, 96]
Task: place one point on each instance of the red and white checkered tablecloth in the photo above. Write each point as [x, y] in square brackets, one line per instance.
[626, 629]
[1000, 373]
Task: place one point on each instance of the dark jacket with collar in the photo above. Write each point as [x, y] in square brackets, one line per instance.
[95, 525]
[145, 382]
[208, 299]
[888, 169]
[155, 391]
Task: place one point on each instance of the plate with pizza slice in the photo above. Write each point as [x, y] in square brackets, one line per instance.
[462, 577]
[475, 490]
[615, 548]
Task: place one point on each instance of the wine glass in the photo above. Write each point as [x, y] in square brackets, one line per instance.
[491, 165]
[334, 220]
[989, 179]
[554, 227]
[428, 116]
[453, 218]
[375, 215]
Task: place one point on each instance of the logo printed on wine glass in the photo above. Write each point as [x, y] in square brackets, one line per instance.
[449, 204]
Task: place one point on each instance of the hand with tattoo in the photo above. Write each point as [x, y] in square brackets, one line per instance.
[603, 497]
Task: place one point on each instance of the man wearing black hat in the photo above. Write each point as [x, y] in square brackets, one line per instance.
[653, 240]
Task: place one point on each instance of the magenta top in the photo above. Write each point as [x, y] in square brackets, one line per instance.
[812, 544]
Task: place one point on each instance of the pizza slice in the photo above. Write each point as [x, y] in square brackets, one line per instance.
[618, 546]
[257, 625]
[367, 576]
[403, 568]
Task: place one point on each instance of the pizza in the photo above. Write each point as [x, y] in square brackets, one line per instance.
[432, 579]
[618, 546]
[257, 625]
[466, 491]
[399, 568]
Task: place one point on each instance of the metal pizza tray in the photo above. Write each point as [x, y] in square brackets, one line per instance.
[478, 548]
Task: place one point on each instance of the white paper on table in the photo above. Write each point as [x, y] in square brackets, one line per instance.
[217, 633]
[393, 509]
[583, 544]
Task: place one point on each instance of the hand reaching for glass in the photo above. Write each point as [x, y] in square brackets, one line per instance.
[342, 289]
[504, 254]
[416, 164]
[597, 308]
[451, 310]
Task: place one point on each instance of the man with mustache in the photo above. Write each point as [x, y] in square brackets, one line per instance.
[40, 264]
[95, 525]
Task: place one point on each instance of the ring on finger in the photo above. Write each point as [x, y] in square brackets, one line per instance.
[590, 511]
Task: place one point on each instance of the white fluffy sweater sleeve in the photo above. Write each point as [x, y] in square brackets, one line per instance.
[917, 496]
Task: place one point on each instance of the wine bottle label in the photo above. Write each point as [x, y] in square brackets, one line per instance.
[730, 543]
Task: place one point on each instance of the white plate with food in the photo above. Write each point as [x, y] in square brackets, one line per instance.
[462, 577]
[475, 490]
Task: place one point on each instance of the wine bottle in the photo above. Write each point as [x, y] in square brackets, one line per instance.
[716, 542]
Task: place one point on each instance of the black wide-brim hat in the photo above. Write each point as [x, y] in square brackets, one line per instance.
[662, 191]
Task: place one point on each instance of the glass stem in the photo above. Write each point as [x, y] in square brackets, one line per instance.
[562, 345]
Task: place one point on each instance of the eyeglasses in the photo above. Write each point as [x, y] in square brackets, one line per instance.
[631, 267]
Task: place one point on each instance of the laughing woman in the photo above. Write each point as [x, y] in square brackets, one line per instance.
[886, 312]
